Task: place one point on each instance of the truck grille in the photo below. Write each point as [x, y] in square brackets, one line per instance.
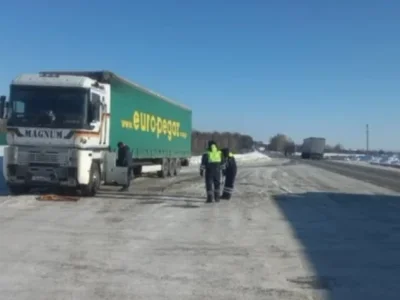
[43, 158]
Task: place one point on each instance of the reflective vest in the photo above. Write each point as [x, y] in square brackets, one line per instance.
[215, 155]
[230, 154]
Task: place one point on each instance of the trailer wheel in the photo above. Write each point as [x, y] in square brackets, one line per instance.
[164, 168]
[137, 171]
[185, 162]
[91, 189]
[172, 167]
[178, 167]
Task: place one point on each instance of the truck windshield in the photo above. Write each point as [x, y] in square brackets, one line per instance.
[55, 107]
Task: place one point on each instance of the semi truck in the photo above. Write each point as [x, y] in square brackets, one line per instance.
[63, 128]
[313, 148]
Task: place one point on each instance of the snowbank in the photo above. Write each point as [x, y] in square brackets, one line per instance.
[252, 156]
[383, 160]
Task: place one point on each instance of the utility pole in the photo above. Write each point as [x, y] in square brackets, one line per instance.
[367, 137]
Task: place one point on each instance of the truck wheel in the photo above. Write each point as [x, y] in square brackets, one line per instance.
[172, 167]
[178, 167]
[16, 190]
[305, 156]
[91, 189]
[137, 171]
[164, 168]
[185, 162]
[69, 191]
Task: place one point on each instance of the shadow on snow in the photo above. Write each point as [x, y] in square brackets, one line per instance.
[352, 241]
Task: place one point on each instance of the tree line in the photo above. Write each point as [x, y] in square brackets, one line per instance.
[281, 142]
[236, 142]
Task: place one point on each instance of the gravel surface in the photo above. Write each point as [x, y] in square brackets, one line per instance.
[292, 231]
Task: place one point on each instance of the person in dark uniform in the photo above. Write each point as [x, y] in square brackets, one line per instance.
[125, 160]
[229, 172]
[211, 163]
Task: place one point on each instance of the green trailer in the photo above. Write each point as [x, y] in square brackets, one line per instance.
[152, 125]
[91, 111]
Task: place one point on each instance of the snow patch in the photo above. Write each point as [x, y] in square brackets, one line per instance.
[248, 157]
[151, 168]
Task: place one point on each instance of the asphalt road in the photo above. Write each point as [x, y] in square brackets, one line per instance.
[387, 178]
[292, 231]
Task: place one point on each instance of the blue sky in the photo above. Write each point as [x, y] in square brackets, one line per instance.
[303, 68]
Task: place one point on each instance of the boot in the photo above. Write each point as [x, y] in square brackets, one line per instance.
[209, 199]
[124, 188]
[216, 197]
[224, 196]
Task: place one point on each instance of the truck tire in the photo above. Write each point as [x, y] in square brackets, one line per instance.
[185, 162]
[90, 190]
[178, 167]
[137, 171]
[16, 190]
[172, 167]
[69, 191]
[164, 168]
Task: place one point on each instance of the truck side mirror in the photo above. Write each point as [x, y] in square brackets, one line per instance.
[2, 105]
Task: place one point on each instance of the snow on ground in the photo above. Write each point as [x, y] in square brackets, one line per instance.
[291, 231]
[252, 156]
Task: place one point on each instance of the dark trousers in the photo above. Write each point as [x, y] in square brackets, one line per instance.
[130, 177]
[229, 183]
[213, 180]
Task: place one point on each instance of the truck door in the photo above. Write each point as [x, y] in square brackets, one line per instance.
[96, 113]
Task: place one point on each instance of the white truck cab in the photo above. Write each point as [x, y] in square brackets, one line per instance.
[58, 134]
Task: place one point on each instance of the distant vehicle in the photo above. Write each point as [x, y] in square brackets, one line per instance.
[313, 148]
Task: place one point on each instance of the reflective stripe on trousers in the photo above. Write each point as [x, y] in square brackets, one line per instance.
[228, 190]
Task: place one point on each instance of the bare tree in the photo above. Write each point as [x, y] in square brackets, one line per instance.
[224, 140]
[236, 142]
[338, 148]
[328, 148]
[279, 142]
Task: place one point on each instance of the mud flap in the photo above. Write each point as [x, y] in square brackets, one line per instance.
[114, 174]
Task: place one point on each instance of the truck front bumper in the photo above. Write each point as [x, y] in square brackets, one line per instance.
[41, 175]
